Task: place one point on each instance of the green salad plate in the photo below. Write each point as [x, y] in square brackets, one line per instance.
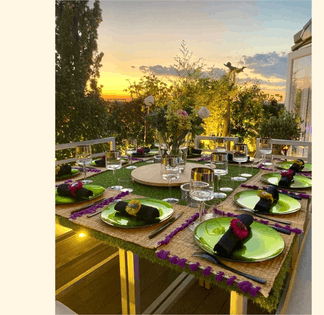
[115, 218]
[62, 200]
[74, 172]
[299, 180]
[263, 243]
[285, 165]
[284, 205]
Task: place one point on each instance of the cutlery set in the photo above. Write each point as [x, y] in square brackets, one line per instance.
[216, 261]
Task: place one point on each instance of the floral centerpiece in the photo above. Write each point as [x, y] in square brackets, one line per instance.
[174, 120]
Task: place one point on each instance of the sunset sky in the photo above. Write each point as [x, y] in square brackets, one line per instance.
[148, 34]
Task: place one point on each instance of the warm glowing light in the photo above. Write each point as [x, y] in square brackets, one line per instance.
[82, 235]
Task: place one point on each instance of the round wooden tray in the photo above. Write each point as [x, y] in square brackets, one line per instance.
[151, 175]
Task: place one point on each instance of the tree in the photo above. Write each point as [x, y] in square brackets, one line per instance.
[81, 113]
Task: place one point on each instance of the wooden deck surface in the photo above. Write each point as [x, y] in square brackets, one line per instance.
[98, 292]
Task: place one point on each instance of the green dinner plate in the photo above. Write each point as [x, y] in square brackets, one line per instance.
[114, 218]
[285, 205]
[74, 172]
[299, 181]
[97, 191]
[94, 163]
[285, 165]
[263, 243]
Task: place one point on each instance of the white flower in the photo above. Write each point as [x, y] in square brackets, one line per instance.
[149, 100]
[203, 112]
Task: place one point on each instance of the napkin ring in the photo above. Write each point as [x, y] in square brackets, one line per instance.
[74, 187]
[287, 173]
[57, 169]
[265, 195]
[239, 229]
[133, 207]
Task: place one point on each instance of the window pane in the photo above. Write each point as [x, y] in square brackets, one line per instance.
[301, 93]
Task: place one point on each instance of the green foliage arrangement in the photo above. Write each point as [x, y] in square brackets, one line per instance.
[247, 111]
[81, 113]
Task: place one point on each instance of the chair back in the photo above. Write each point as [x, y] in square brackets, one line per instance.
[72, 145]
[228, 140]
[298, 149]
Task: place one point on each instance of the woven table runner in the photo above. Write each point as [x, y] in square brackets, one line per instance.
[183, 245]
[137, 236]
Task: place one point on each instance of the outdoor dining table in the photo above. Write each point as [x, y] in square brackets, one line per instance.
[175, 245]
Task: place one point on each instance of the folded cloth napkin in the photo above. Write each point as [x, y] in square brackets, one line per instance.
[192, 150]
[267, 199]
[74, 190]
[136, 209]
[101, 162]
[297, 166]
[141, 151]
[287, 177]
[235, 236]
[63, 170]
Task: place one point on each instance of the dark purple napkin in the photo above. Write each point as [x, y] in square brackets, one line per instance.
[230, 241]
[146, 213]
[76, 191]
[264, 205]
[64, 170]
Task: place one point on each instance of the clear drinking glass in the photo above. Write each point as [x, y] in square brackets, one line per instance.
[84, 157]
[182, 158]
[265, 147]
[170, 171]
[113, 162]
[201, 189]
[131, 147]
[240, 155]
[220, 145]
[219, 164]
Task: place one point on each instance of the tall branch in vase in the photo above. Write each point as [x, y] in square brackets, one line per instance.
[232, 76]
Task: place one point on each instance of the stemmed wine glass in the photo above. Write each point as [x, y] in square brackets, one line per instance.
[201, 189]
[219, 164]
[131, 147]
[265, 147]
[113, 162]
[170, 171]
[220, 145]
[84, 157]
[240, 155]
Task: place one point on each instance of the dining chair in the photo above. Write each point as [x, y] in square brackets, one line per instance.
[297, 295]
[198, 139]
[304, 148]
[61, 309]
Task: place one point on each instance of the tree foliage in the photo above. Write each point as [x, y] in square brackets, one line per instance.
[80, 111]
[285, 126]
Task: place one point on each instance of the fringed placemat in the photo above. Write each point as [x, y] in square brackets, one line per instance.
[182, 246]
[137, 236]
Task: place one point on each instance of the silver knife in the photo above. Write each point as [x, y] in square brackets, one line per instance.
[163, 227]
[262, 216]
